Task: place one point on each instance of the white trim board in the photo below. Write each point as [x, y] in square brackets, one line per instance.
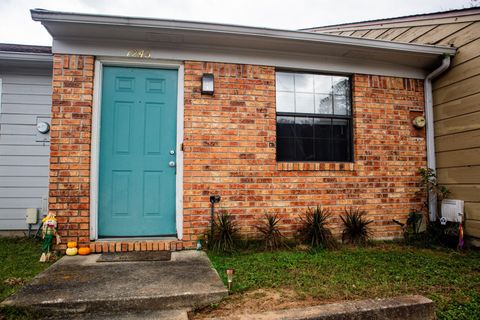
[95, 144]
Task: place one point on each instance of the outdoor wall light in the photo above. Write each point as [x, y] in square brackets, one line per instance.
[207, 83]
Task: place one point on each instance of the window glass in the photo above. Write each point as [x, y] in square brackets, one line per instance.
[286, 149]
[304, 149]
[323, 84]
[313, 117]
[341, 85]
[340, 129]
[323, 128]
[285, 101]
[323, 104]
[285, 82]
[304, 103]
[285, 127]
[340, 104]
[322, 150]
[303, 83]
[304, 127]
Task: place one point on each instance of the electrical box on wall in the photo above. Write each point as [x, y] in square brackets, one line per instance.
[31, 216]
[452, 210]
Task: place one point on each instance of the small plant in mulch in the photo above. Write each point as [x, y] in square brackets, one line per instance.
[314, 229]
[225, 235]
[356, 229]
[271, 238]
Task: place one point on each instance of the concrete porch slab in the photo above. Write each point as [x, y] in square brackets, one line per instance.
[79, 284]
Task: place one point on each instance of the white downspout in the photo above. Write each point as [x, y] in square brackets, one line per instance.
[431, 163]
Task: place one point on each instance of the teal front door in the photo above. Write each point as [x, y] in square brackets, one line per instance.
[136, 196]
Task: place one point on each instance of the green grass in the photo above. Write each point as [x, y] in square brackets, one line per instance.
[451, 279]
[19, 259]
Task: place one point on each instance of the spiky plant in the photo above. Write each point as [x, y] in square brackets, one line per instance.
[356, 229]
[272, 238]
[225, 233]
[314, 230]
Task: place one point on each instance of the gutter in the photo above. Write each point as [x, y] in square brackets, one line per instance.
[26, 56]
[431, 162]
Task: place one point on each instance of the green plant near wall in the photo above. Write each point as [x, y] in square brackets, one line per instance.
[225, 234]
[418, 229]
[356, 229]
[271, 236]
[314, 229]
[429, 182]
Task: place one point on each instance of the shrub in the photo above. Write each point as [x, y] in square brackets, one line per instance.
[225, 234]
[356, 228]
[314, 230]
[272, 238]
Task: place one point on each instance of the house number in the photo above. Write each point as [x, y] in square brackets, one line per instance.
[139, 53]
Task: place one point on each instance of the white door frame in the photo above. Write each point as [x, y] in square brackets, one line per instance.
[95, 143]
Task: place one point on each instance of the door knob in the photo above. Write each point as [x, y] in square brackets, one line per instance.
[171, 164]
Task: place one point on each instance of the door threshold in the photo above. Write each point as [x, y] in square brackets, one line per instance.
[127, 239]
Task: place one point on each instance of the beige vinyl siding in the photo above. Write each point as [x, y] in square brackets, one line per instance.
[456, 98]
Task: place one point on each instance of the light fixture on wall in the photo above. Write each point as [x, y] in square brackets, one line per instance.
[207, 83]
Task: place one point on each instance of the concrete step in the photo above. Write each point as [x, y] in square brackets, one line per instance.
[81, 285]
[396, 308]
[146, 315]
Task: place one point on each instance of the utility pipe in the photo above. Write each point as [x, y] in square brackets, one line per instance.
[431, 163]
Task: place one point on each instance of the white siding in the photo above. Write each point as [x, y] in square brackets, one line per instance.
[25, 97]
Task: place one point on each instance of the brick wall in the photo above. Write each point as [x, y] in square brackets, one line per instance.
[69, 187]
[230, 150]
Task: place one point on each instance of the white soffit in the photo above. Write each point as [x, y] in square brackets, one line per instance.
[184, 40]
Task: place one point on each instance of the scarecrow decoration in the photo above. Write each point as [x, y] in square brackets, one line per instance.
[49, 231]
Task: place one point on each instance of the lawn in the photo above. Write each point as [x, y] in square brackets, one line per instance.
[451, 279]
[18, 263]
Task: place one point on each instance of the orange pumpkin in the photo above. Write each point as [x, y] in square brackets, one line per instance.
[71, 244]
[84, 251]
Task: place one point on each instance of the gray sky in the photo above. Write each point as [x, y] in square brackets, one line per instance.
[16, 25]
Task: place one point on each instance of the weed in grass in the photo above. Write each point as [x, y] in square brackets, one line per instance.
[272, 238]
[356, 229]
[314, 230]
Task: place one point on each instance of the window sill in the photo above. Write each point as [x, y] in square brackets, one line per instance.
[315, 166]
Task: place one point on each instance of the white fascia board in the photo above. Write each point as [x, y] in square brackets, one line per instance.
[46, 16]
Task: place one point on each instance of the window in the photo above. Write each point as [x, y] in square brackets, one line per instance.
[314, 117]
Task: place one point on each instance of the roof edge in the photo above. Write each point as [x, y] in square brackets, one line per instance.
[46, 16]
[407, 18]
[26, 56]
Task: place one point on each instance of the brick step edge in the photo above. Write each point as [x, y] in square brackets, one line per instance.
[136, 245]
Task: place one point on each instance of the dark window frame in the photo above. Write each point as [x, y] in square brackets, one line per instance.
[332, 117]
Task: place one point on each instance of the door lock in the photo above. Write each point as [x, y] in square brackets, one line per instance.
[171, 164]
[172, 152]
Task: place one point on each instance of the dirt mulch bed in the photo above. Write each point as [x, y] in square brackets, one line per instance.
[256, 301]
